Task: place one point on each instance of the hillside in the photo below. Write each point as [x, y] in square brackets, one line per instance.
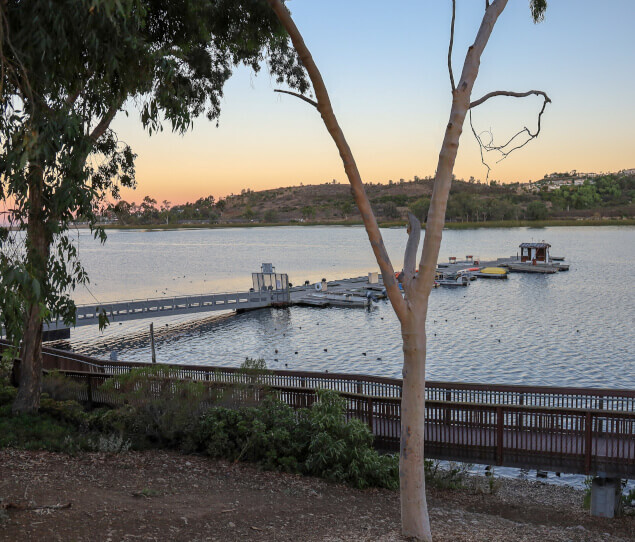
[557, 196]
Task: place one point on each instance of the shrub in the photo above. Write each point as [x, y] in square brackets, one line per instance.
[165, 408]
[451, 476]
[342, 451]
[110, 444]
[7, 395]
[265, 435]
[70, 412]
[316, 441]
[61, 388]
[39, 432]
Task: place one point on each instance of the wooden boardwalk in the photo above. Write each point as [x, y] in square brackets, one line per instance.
[137, 309]
[122, 311]
[574, 430]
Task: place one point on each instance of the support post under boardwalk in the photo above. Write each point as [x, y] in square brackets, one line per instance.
[606, 497]
[154, 354]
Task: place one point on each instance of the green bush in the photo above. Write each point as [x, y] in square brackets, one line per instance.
[61, 388]
[264, 435]
[317, 441]
[40, 432]
[164, 409]
[70, 412]
[342, 451]
[7, 395]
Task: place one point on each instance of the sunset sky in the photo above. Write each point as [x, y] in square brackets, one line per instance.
[385, 66]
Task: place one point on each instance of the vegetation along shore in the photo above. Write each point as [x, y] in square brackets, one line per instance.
[173, 466]
[558, 199]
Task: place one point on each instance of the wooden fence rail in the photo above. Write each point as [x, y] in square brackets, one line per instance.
[551, 438]
[577, 430]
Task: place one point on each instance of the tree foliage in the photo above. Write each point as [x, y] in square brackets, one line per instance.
[68, 67]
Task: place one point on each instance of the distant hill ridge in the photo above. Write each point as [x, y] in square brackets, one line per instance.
[566, 195]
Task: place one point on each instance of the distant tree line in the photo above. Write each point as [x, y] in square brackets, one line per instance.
[150, 212]
[470, 201]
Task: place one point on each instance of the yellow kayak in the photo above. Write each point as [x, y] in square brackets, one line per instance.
[493, 271]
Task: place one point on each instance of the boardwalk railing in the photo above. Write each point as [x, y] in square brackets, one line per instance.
[136, 309]
[578, 430]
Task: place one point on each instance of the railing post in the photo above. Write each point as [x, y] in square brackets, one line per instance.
[588, 442]
[369, 401]
[600, 422]
[90, 392]
[499, 435]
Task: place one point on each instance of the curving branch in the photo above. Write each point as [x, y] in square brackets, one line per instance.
[298, 95]
[480, 145]
[104, 123]
[350, 167]
[450, 46]
[506, 149]
[512, 94]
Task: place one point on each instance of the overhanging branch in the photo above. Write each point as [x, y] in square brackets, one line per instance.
[511, 94]
[104, 123]
[350, 167]
[298, 95]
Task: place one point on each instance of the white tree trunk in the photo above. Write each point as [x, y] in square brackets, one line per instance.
[414, 509]
[413, 310]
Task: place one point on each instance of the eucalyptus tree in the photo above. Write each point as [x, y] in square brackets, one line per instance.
[412, 309]
[68, 67]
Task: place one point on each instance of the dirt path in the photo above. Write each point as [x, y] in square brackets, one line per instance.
[168, 496]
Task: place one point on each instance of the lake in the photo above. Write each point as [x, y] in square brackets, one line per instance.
[570, 329]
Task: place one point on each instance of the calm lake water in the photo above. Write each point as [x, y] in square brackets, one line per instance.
[570, 329]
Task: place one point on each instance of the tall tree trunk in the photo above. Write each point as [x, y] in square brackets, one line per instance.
[414, 509]
[412, 310]
[37, 246]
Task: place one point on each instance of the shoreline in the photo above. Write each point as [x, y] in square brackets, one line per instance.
[503, 224]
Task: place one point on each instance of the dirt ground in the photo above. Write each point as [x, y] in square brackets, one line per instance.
[167, 496]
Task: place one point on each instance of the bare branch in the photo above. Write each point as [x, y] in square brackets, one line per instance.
[451, 44]
[298, 95]
[20, 506]
[480, 146]
[447, 155]
[511, 94]
[350, 167]
[410, 257]
[504, 149]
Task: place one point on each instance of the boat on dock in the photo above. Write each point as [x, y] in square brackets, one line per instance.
[327, 299]
[545, 269]
[454, 280]
[535, 258]
[491, 273]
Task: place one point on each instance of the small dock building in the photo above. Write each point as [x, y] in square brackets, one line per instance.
[535, 252]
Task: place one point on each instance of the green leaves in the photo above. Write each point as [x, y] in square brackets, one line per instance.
[318, 441]
[68, 66]
[538, 8]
